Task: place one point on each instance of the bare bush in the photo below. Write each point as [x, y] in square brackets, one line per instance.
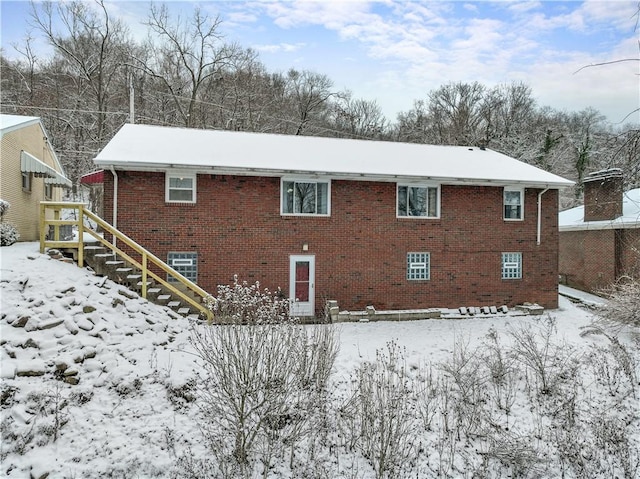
[623, 303]
[263, 381]
[502, 373]
[549, 362]
[380, 412]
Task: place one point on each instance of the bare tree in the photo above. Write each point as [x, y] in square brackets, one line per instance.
[455, 110]
[308, 93]
[185, 55]
[92, 44]
[357, 118]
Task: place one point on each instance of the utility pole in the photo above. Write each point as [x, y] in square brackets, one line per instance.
[132, 115]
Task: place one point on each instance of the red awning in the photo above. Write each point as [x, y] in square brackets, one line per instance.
[92, 178]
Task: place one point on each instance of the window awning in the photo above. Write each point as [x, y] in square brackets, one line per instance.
[30, 164]
[95, 177]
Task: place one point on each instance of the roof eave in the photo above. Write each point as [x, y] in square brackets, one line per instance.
[274, 172]
[592, 226]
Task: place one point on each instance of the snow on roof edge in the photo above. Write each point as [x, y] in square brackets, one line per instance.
[156, 148]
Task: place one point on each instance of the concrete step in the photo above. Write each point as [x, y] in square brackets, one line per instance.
[163, 299]
[99, 264]
[153, 293]
[184, 311]
[91, 250]
[174, 305]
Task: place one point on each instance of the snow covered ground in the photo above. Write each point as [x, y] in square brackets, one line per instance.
[97, 382]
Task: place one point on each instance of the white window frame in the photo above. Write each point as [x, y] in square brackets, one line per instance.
[511, 265]
[48, 191]
[178, 174]
[304, 180]
[509, 189]
[418, 264]
[418, 185]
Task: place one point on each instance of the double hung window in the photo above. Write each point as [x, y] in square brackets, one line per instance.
[301, 197]
[513, 200]
[419, 201]
[180, 188]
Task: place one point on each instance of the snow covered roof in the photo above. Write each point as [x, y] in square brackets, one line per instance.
[157, 148]
[13, 122]
[573, 219]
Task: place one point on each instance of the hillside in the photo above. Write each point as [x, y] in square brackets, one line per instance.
[97, 382]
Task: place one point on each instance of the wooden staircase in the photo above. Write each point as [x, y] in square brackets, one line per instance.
[130, 264]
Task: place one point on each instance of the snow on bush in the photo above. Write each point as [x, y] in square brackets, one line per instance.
[264, 381]
[623, 305]
[4, 206]
[8, 233]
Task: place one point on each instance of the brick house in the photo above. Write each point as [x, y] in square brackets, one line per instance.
[600, 241]
[29, 172]
[392, 225]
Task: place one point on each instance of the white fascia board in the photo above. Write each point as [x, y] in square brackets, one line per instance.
[276, 173]
[599, 226]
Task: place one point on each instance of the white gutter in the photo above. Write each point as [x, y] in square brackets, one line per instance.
[115, 202]
[540, 213]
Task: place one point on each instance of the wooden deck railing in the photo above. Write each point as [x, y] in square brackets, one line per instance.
[144, 261]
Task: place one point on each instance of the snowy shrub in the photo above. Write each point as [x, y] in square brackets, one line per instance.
[8, 233]
[623, 305]
[243, 303]
[264, 378]
[4, 206]
[379, 415]
[550, 363]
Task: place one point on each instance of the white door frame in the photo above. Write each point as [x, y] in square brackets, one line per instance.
[302, 308]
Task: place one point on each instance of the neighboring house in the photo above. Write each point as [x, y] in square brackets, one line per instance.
[29, 172]
[600, 241]
[392, 225]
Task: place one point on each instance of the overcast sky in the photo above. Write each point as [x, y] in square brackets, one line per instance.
[395, 52]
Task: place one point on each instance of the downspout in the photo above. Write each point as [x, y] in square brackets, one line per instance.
[115, 202]
[540, 212]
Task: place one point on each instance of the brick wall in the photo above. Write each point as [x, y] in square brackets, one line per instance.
[629, 252]
[603, 195]
[360, 250]
[594, 259]
[588, 258]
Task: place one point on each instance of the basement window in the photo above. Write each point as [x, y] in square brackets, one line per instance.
[511, 265]
[180, 188]
[513, 200]
[418, 201]
[185, 263]
[418, 266]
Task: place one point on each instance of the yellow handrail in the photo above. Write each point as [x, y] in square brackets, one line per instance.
[146, 257]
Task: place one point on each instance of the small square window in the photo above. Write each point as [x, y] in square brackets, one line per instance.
[184, 263]
[418, 201]
[511, 265]
[180, 188]
[418, 266]
[513, 200]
